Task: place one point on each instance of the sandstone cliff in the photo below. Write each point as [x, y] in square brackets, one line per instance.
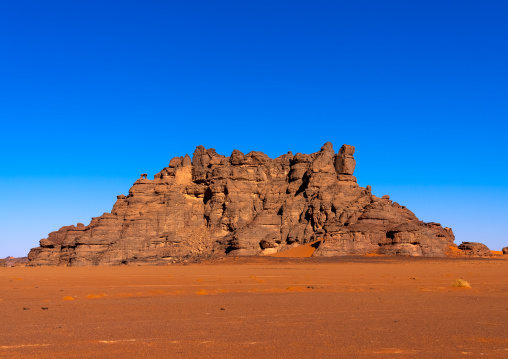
[245, 204]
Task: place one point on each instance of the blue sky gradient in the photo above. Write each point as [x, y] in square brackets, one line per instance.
[94, 93]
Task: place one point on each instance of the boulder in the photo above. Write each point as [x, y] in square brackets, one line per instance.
[344, 162]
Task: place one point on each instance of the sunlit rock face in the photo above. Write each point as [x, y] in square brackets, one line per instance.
[245, 204]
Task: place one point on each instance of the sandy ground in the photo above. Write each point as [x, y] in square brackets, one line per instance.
[353, 307]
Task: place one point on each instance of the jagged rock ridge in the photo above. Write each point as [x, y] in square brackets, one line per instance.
[245, 204]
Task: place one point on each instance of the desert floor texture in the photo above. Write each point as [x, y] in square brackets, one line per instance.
[351, 307]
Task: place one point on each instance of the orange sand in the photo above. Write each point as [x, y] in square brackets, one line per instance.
[353, 307]
[302, 251]
[454, 250]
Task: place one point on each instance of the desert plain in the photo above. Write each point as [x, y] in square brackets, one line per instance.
[349, 307]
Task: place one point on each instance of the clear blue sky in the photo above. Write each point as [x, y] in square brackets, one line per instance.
[93, 93]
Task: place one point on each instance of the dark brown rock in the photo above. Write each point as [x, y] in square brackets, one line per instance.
[505, 250]
[245, 205]
[475, 249]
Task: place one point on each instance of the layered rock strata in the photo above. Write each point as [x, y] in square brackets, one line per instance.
[245, 204]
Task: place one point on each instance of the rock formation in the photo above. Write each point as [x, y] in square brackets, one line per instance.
[245, 204]
[13, 261]
[475, 249]
[505, 250]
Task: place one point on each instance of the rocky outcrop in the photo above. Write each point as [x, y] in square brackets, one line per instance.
[13, 261]
[475, 249]
[505, 250]
[245, 204]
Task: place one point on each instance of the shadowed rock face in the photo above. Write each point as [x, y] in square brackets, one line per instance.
[245, 204]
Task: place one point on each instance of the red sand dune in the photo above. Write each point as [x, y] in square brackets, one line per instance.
[304, 250]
